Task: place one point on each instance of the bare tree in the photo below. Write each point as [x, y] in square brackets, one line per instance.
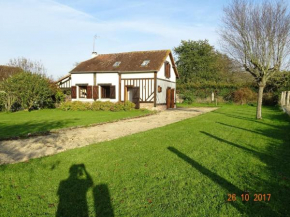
[28, 65]
[258, 36]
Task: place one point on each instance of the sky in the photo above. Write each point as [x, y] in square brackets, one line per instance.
[61, 32]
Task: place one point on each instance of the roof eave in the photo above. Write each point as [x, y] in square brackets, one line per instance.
[76, 72]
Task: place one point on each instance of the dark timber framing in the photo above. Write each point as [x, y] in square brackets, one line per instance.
[119, 87]
[155, 87]
[165, 80]
[65, 83]
[145, 85]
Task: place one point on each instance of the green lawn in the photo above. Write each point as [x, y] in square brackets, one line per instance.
[23, 122]
[183, 169]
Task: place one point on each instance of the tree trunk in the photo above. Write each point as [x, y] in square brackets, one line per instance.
[260, 100]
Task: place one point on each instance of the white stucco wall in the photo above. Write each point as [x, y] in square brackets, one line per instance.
[137, 75]
[102, 78]
[161, 72]
[82, 78]
[108, 78]
[161, 97]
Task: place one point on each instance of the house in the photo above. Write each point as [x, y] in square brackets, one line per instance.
[147, 78]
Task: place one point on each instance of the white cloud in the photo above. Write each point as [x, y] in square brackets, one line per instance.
[60, 35]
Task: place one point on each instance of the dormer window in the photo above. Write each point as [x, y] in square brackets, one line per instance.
[116, 64]
[145, 62]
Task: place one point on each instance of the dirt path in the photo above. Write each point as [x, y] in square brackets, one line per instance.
[24, 149]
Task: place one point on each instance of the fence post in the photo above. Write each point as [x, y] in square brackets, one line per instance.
[288, 98]
[283, 95]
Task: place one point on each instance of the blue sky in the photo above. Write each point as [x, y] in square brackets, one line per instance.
[60, 32]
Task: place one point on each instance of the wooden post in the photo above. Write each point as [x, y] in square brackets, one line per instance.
[287, 98]
[155, 88]
[212, 96]
[282, 98]
[120, 88]
[95, 83]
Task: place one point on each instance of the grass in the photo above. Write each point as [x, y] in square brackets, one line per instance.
[183, 169]
[23, 122]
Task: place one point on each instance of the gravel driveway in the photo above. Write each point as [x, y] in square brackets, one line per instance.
[12, 151]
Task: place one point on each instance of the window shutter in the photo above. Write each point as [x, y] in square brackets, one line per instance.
[89, 92]
[165, 69]
[73, 92]
[95, 92]
[112, 92]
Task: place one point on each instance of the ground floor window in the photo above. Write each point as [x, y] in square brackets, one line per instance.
[105, 92]
[82, 91]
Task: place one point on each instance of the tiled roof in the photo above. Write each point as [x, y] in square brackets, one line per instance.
[129, 62]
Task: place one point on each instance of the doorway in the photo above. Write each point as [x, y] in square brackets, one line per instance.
[133, 95]
[169, 98]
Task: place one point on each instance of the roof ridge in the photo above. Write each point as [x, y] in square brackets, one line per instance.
[145, 51]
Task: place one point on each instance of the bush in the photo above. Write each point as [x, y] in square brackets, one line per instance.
[270, 99]
[96, 106]
[188, 97]
[106, 106]
[28, 90]
[2, 100]
[59, 96]
[244, 95]
[75, 106]
[128, 106]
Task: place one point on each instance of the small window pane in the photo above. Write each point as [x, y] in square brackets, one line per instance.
[82, 92]
[116, 64]
[145, 62]
[105, 91]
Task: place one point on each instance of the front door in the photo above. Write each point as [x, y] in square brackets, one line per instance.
[172, 98]
[134, 96]
[168, 97]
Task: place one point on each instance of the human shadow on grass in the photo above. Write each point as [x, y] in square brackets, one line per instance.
[102, 201]
[8, 131]
[73, 191]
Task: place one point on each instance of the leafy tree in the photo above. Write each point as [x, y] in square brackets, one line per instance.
[8, 71]
[198, 61]
[258, 36]
[29, 90]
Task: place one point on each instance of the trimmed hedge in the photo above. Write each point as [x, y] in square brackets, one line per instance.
[97, 106]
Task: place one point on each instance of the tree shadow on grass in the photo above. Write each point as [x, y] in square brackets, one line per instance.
[231, 189]
[246, 119]
[275, 156]
[245, 208]
[23, 129]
